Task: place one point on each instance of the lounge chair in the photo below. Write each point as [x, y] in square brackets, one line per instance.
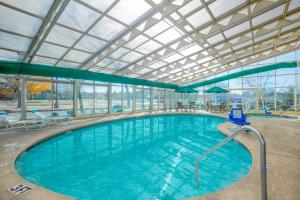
[57, 119]
[12, 122]
[237, 117]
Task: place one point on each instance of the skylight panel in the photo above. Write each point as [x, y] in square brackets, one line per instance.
[43, 60]
[220, 7]
[199, 18]
[136, 41]
[157, 65]
[101, 5]
[294, 4]
[9, 55]
[148, 47]
[203, 60]
[78, 16]
[144, 70]
[173, 58]
[61, 35]
[191, 50]
[237, 29]
[90, 44]
[118, 53]
[157, 28]
[14, 42]
[131, 56]
[51, 50]
[107, 28]
[18, 22]
[104, 62]
[189, 7]
[68, 64]
[168, 36]
[268, 15]
[39, 8]
[128, 11]
[75, 55]
[215, 39]
[187, 66]
[117, 65]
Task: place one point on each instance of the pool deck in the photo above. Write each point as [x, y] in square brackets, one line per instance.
[283, 159]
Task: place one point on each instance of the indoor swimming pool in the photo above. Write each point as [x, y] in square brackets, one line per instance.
[150, 157]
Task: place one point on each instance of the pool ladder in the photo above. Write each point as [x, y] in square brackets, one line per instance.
[263, 168]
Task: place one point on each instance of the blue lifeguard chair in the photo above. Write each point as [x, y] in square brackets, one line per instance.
[236, 116]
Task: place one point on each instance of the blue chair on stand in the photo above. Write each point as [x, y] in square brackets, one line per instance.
[236, 116]
[267, 111]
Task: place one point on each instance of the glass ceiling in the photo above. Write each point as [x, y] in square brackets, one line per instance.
[173, 41]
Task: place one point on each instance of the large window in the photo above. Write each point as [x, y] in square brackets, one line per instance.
[127, 98]
[10, 100]
[101, 99]
[146, 97]
[139, 98]
[284, 98]
[86, 100]
[116, 98]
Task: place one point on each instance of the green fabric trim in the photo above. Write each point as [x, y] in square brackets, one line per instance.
[11, 67]
[245, 73]
[216, 90]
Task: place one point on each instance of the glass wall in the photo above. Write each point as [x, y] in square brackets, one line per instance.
[10, 99]
[274, 90]
[127, 98]
[101, 99]
[139, 93]
[116, 95]
[86, 100]
[146, 97]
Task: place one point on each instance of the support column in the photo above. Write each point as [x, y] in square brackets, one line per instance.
[75, 97]
[165, 100]
[134, 99]
[94, 98]
[109, 98]
[22, 89]
[151, 99]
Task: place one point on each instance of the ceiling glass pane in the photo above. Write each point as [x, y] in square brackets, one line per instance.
[117, 65]
[237, 29]
[157, 65]
[168, 36]
[90, 44]
[43, 60]
[131, 56]
[118, 53]
[107, 28]
[128, 11]
[191, 50]
[105, 62]
[199, 18]
[10, 55]
[61, 35]
[148, 47]
[220, 7]
[18, 22]
[157, 28]
[190, 7]
[68, 64]
[51, 50]
[173, 58]
[268, 15]
[101, 5]
[14, 42]
[78, 16]
[37, 7]
[78, 56]
[136, 41]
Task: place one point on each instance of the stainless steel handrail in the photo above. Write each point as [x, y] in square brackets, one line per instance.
[263, 168]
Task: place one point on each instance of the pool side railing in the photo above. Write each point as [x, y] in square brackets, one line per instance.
[263, 167]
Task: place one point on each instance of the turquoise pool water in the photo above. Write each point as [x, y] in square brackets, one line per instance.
[142, 158]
